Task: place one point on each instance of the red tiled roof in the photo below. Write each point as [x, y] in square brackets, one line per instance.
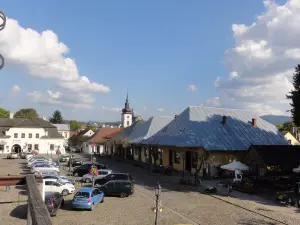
[103, 133]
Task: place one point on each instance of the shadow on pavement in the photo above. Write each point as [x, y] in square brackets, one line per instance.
[255, 222]
[19, 212]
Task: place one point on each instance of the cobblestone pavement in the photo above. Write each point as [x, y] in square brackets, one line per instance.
[180, 204]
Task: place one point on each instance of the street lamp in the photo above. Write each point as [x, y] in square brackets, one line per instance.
[157, 195]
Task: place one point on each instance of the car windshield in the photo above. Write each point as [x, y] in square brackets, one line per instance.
[82, 195]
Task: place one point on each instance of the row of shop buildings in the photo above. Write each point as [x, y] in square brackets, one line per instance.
[212, 136]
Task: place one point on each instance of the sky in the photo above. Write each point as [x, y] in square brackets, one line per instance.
[83, 58]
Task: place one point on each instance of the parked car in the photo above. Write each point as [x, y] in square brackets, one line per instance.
[87, 198]
[13, 156]
[60, 178]
[53, 201]
[52, 185]
[47, 173]
[75, 162]
[29, 164]
[37, 169]
[85, 168]
[32, 158]
[44, 162]
[64, 158]
[122, 188]
[87, 178]
[114, 176]
[24, 155]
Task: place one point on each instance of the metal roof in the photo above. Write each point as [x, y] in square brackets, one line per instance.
[199, 126]
[147, 129]
[62, 127]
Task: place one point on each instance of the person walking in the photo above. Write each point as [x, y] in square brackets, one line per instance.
[7, 189]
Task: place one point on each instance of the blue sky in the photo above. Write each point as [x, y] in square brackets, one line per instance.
[155, 49]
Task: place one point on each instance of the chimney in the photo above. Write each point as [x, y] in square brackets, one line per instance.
[11, 115]
[176, 116]
[254, 122]
[224, 120]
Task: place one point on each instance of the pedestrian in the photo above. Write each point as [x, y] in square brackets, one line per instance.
[7, 186]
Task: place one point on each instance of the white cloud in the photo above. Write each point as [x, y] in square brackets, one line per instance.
[144, 107]
[262, 61]
[15, 89]
[213, 102]
[73, 100]
[42, 55]
[117, 110]
[160, 109]
[191, 87]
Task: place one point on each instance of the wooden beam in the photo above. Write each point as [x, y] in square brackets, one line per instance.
[38, 211]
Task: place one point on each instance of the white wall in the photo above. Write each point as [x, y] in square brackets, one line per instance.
[89, 133]
[126, 120]
[65, 133]
[43, 144]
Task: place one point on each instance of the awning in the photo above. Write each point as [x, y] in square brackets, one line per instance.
[236, 165]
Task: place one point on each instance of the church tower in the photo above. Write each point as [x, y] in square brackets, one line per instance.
[127, 113]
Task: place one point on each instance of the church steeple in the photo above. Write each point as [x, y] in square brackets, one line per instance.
[127, 108]
[127, 114]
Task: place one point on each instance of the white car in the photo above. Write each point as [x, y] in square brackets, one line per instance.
[38, 161]
[52, 185]
[87, 178]
[43, 168]
[13, 156]
[35, 158]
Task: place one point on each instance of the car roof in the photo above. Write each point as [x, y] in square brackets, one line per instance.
[120, 173]
[127, 181]
[50, 179]
[86, 189]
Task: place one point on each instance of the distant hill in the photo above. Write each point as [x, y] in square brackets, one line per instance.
[276, 119]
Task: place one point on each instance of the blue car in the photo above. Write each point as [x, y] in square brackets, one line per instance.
[87, 198]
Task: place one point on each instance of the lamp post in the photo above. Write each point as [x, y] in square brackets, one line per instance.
[157, 195]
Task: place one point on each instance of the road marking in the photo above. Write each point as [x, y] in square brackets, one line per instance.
[191, 221]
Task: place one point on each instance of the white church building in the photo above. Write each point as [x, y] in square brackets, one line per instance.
[127, 114]
[26, 135]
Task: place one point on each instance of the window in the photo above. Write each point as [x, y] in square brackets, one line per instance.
[177, 158]
[48, 183]
[15, 135]
[121, 177]
[1, 147]
[66, 134]
[36, 147]
[103, 172]
[127, 117]
[30, 135]
[290, 141]
[37, 136]
[52, 147]
[96, 192]
[23, 135]
[127, 123]
[29, 147]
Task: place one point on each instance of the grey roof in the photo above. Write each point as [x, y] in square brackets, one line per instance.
[28, 123]
[52, 134]
[6, 123]
[199, 126]
[144, 130]
[62, 127]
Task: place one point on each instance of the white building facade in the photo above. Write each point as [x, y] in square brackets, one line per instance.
[126, 116]
[26, 135]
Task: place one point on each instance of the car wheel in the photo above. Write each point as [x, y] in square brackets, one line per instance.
[102, 200]
[65, 192]
[298, 203]
[123, 195]
[76, 174]
[290, 201]
[62, 203]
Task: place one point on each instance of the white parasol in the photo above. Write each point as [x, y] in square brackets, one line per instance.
[236, 165]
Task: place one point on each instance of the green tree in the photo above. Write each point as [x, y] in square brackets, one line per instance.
[74, 125]
[26, 113]
[56, 117]
[287, 126]
[4, 113]
[294, 96]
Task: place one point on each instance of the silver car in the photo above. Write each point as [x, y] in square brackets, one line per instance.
[87, 178]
